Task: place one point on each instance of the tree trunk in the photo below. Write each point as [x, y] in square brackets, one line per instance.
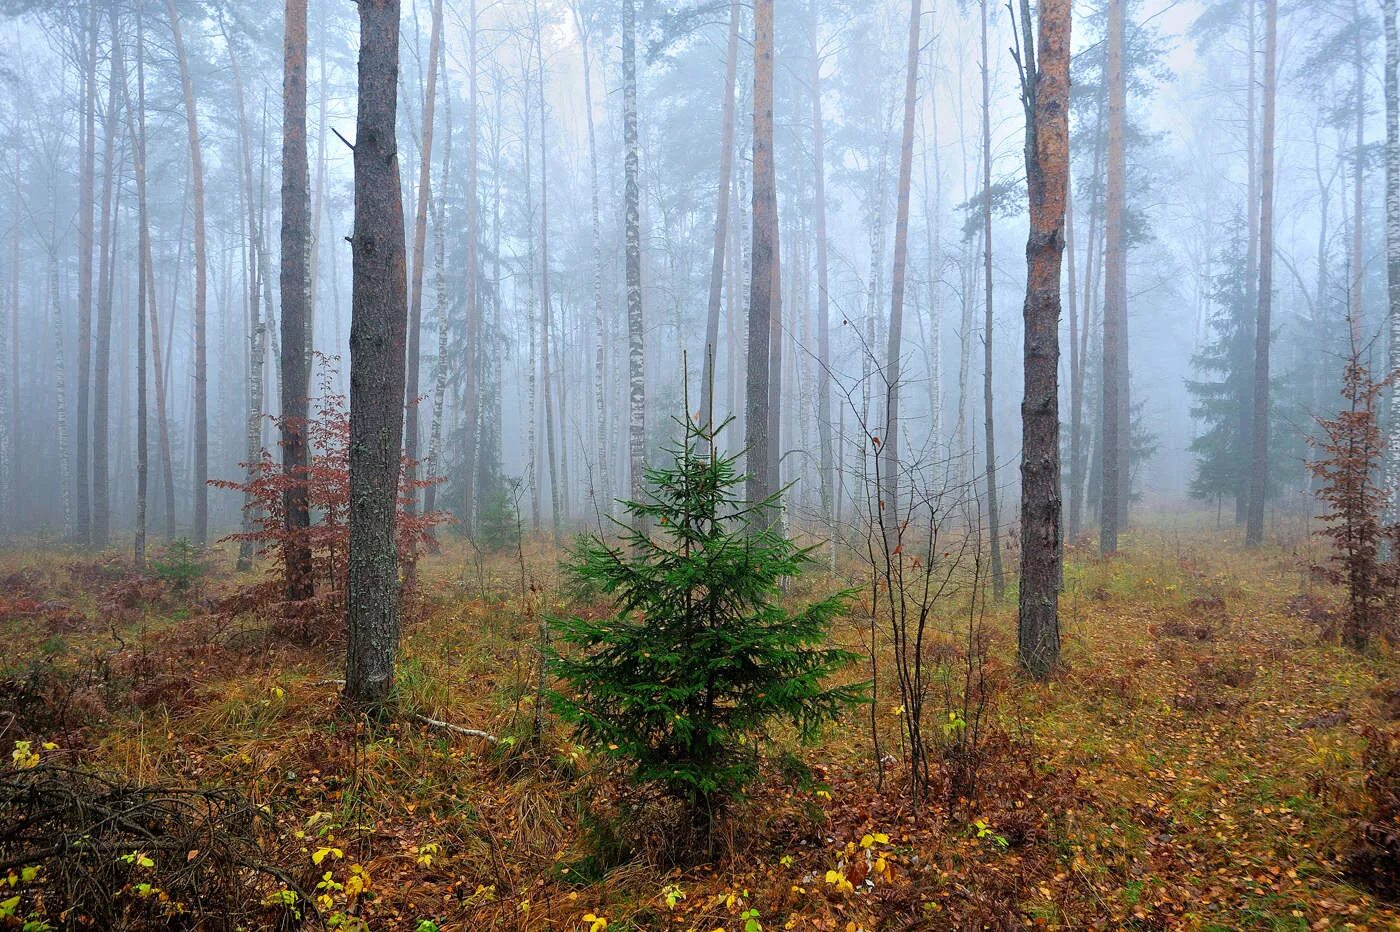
[201, 369]
[145, 292]
[86, 185]
[60, 368]
[415, 287]
[257, 328]
[1080, 480]
[102, 343]
[1115, 427]
[933, 205]
[774, 407]
[632, 197]
[889, 451]
[603, 494]
[726, 169]
[1259, 445]
[379, 321]
[1076, 366]
[1355, 305]
[532, 331]
[136, 124]
[472, 488]
[1046, 97]
[826, 466]
[993, 516]
[762, 280]
[1392, 249]
[434, 469]
[294, 285]
[1243, 425]
[547, 374]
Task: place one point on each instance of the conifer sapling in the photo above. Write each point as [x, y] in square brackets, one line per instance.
[699, 660]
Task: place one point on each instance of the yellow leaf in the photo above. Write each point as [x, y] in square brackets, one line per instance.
[320, 854]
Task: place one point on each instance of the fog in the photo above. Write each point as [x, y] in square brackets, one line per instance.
[1193, 147]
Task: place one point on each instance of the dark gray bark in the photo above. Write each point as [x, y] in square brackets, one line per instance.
[378, 325]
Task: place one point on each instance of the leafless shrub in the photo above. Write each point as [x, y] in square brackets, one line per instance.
[99, 852]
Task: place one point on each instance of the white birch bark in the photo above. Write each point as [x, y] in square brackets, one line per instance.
[1392, 248]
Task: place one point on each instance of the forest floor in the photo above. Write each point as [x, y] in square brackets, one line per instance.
[1200, 763]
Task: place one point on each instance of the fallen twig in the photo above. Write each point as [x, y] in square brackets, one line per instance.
[435, 723]
[457, 729]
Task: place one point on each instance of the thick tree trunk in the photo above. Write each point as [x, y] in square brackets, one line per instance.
[993, 515]
[201, 369]
[294, 284]
[379, 321]
[1259, 439]
[1115, 427]
[1046, 93]
[632, 207]
[762, 280]
[889, 450]
[726, 169]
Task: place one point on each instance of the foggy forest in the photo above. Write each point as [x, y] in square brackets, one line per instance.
[705, 465]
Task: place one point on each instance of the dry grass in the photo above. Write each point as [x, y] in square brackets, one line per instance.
[1199, 763]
